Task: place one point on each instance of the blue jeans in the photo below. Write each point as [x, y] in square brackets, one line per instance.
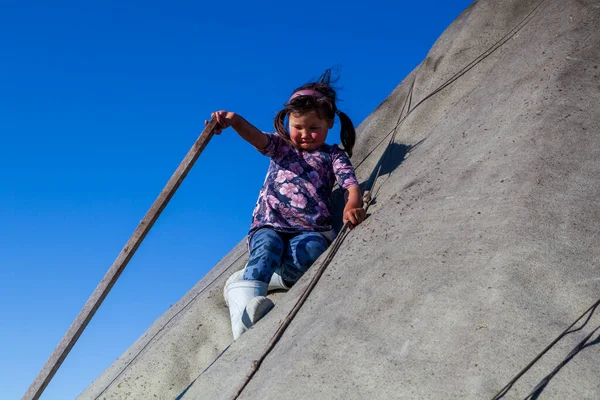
[296, 252]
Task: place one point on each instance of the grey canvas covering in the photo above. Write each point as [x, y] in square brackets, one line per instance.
[482, 245]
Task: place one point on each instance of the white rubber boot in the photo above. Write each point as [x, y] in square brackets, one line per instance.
[247, 304]
[276, 282]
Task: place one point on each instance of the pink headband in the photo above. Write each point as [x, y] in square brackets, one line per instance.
[314, 93]
[307, 92]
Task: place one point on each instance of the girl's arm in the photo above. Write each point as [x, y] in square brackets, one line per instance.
[245, 129]
[354, 211]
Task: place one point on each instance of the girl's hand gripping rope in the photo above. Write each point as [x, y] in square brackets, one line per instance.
[354, 211]
[354, 215]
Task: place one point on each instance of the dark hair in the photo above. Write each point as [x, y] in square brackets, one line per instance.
[325, 108]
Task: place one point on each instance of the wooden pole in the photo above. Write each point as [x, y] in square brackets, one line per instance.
[89, 309]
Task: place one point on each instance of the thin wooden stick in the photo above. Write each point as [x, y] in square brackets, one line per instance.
[89, 309]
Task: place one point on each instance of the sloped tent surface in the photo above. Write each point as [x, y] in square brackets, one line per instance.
[481, 248]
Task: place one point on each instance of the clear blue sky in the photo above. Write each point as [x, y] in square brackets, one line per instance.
[100, 101]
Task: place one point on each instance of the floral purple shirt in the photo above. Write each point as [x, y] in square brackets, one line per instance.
[295, 196]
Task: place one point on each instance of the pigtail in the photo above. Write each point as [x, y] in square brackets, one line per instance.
[347, 132]
[279, 125]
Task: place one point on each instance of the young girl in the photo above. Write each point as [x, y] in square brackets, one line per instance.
[291, 224]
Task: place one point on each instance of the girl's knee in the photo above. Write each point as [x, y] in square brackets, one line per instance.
[266, 252]
[309, 249]
[266, 241]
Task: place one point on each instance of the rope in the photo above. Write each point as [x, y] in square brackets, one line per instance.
[305, 293]
[343, 232]
[544, 382]
[566, 332]
[368, 197]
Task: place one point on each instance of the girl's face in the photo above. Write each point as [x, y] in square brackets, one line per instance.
[308, 131]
